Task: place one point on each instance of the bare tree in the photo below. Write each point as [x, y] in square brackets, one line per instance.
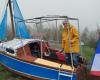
[85, 35]
[90, 38]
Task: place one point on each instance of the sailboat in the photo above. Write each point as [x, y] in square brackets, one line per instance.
[33, 58]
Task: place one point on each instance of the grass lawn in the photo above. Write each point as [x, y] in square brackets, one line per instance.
[88, 53]
[4, 73]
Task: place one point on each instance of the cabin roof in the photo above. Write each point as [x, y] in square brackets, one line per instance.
[17, 43]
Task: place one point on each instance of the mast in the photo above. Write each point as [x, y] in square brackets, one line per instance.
[12, 21]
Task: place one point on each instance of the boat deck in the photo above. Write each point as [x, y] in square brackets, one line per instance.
[52, 64]
[47, 63]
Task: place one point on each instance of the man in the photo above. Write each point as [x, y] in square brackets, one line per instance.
[70, 43]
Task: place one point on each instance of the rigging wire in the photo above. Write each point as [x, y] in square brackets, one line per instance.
[79, 38]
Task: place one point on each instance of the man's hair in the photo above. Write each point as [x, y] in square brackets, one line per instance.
[65, 21]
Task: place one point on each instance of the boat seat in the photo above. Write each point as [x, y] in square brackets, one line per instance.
[52, 64]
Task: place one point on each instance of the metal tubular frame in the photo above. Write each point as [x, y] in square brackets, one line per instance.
[40, 20]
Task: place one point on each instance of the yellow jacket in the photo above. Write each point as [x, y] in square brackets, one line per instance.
[70, 40]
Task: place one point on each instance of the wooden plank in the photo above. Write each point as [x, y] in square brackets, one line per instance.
[52, 64]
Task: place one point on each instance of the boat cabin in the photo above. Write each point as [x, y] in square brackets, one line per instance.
[32, 47]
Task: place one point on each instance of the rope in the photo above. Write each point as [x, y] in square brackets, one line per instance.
[48, 49]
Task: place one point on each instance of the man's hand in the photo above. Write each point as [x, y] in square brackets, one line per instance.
[62, 50]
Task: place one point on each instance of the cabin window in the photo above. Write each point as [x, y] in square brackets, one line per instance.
[10, 50]
[35, 49]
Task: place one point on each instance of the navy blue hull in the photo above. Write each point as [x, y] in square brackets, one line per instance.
[34, 70]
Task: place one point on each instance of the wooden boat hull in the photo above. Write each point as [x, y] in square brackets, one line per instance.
[33, 70]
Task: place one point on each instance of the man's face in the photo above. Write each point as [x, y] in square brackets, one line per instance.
[65, 24]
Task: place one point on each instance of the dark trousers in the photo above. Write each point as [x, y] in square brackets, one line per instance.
[74, 58]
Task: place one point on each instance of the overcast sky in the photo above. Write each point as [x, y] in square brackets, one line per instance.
[88, 11]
